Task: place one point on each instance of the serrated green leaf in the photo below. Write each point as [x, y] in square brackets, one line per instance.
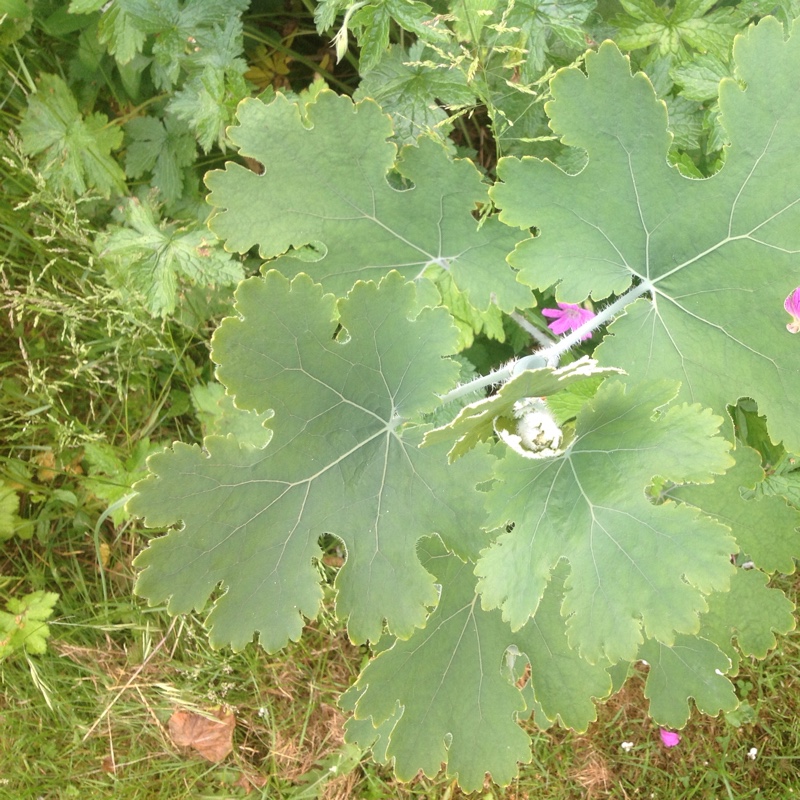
[340, 461]
[690, 668]
[207, 103]
[85, 6]
[457, 706]
[699, 78]
[676, 31]
[448, 694]
[565, 686]
[699, 243]
[326, 11]
[9, 508]
[220, 417]
[535, 23]
[751, 613]
[475, 422]
[417, 17]
[74, 153]
[412, 91]
[121, 32]
[371, 25]
[360, 225]
[629, 569]
[765, 528]
[149, 256]
[23, 626]
[165, 148]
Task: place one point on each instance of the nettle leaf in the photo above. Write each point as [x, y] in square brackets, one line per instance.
[629, 570]
[342, 214]
[121, 31]
[690, 667]
[74, 153]
[766, 529]
[475, 422]
[126, 24]
[341, 461]
[698, 242]
[149, 256]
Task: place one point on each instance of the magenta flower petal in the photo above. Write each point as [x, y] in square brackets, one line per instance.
[669, 738]
[792, 306]
[568, 317]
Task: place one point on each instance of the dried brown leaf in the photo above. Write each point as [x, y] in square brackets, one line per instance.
[211, 736]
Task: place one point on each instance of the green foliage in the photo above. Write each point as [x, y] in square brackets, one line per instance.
[519, 559]
[148, 257]
[164, 148]
[411, 86]
[695, 242]
[691, 24]
[23, 627]
[341, 459]
[10, 522]
[74, 153]
[341, 224]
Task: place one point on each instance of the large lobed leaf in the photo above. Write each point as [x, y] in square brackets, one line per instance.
[631, 572]
[342, 205]
[722, 253]
[443, 695]
[341, 460]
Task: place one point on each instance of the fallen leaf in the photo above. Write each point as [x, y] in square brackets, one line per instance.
[211, 736]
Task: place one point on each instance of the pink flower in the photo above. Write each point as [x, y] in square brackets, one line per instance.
[792, 306]
[669, 738]
[568, 317]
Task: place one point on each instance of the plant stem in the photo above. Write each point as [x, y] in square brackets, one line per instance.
[550, 356]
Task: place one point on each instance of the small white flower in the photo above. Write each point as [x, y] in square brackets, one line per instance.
[752, 753]
[535, 432]
[627, 746]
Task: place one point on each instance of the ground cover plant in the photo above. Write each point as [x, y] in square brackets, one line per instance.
[496, 436]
